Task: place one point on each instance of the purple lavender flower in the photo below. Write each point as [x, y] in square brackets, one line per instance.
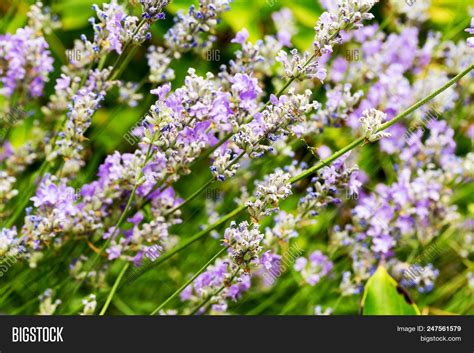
[216, 278]
[241, 37]
[27, 60]
[314, 268]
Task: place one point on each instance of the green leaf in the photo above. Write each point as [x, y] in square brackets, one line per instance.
[381, 296]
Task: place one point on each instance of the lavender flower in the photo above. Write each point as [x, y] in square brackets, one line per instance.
[371, 121]
[423, 279]
[416, 206]
[152, 9]
[7, 191]
[314, 268]
[244, 242]
[10, 244]
[158, 60]
[220, 282]
[329, 186]
[84, 104]
[349, 15]
[186, 34]
[55, 211]
[284, 23]
[27, 62]
[128, 93]
[274, 122]
[301, 67]
[268, 193]
[470, 30]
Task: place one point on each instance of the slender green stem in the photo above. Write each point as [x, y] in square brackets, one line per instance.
[191, 280]
[190, 198]
[114, 288]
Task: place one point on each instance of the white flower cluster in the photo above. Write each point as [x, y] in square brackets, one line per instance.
[7, 190]
[159, 61]
[301, 67]
[371, 121]
[223, 166]
[273, 188]
[349, 15]
[47, 305]
[244, 242]
[274, 121]
[90, 303]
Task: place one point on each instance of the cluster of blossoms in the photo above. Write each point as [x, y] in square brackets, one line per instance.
[313, 269]
[114, 32]
[25, 59]
[153, 9]
[346, 16]
[258, 59]
[285, 113]
[190, 32]
[244, 242]
[186, 33]
[423, 280]
[371, 121]
[85, 103]
[221, 282]
[55, 211]
[116, 29]
[90, 303]
[249, 250]
[416, 206]
[274, 187]
[385, 68]
[10, 244]
[275, 121]
[329, 187]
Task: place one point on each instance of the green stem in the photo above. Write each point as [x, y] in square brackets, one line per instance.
[190, 198]
[114, 289]
[191, 280]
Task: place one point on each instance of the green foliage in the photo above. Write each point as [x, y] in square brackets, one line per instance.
[383, 296]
